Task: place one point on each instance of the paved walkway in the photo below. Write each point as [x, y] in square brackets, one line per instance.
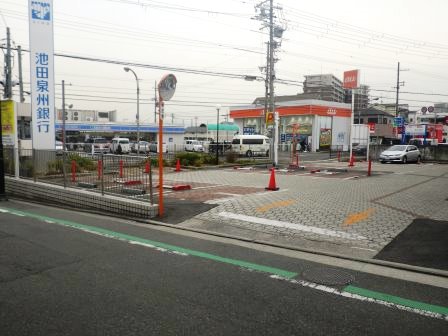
[344, 212]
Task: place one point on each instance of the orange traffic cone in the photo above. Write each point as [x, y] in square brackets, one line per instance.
[352, 161]
[177, 166]
[272, 185]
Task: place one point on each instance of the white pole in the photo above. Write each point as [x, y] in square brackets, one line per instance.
[276, 120]
[352, 121]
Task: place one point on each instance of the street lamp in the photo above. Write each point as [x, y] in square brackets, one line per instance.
[218, 107]
[138, 108]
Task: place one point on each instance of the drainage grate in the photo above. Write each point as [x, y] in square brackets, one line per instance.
[328, 276]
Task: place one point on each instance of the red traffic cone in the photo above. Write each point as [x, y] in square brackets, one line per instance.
[177, 165]
[352, 161]
[272, 185]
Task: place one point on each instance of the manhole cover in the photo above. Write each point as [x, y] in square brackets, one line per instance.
[328, 276]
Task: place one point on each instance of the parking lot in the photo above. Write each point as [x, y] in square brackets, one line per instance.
[337, 209]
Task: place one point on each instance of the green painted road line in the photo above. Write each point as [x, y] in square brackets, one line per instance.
[131, 239]
[396, 300]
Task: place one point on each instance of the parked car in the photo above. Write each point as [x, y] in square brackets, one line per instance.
[423, 142]
[193, 146]
[401, 153]
[154, 147]
[144, 147]
[359, 150]
[59, 147]
[123, 143]
[96, 145]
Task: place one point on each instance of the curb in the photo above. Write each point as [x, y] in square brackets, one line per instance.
[390, 264]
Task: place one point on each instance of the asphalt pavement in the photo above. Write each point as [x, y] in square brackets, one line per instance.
[69, 273]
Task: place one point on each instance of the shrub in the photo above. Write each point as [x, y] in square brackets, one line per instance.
[231, 157]
[82, 162]
[54, 167]
[190, 159]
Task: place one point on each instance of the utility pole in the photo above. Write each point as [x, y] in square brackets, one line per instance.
[271, 56]
[19, 53]
[265, 10]
[398, 89]
[8, 70]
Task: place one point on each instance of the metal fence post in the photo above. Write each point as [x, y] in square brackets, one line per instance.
[34, 165]
[151, 194]
[63, 168]
[102, 174]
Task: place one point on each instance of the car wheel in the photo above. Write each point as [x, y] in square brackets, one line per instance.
[249, 153]
[383, 162]
[404, 160]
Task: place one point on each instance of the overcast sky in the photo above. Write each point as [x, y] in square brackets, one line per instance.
[322, 36]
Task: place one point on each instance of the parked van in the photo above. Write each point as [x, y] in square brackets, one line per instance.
[251, 145]
[124, 144]
[193, 146]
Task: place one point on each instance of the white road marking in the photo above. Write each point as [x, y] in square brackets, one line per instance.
[294, 226]
[362, 248]
[334, 291]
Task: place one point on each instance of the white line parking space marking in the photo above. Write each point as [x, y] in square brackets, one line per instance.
[294, 226]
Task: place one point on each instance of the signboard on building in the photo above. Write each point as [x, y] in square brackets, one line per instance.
[9, 122]
[325, 138]
[248, 130]
[371, 127]
[351, 79]
[42, 73]
[414, 130]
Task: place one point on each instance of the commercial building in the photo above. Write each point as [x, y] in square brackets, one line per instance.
[318, 123]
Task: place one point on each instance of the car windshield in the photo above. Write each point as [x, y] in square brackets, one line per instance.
[397, 148]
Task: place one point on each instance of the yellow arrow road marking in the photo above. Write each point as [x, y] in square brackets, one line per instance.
[357, 217]
[277, 204]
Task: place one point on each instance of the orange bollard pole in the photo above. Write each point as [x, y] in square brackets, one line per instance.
[73, 171]
[339, 156]
[100, 168]
[369, 169]
[147, 167]
[121, 168]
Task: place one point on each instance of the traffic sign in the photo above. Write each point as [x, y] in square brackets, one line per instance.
[424, 109]
[398, 121]
[431, 109]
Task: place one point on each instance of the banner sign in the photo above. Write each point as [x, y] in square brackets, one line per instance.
[415, 130]
[9, 122]
[371, 127]
[351, 79]
[42, 73]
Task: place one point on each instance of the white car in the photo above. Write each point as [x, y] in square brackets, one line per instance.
[123, 143]
[144, 147]
[154, 147]
[401, 153]
[193, 146]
